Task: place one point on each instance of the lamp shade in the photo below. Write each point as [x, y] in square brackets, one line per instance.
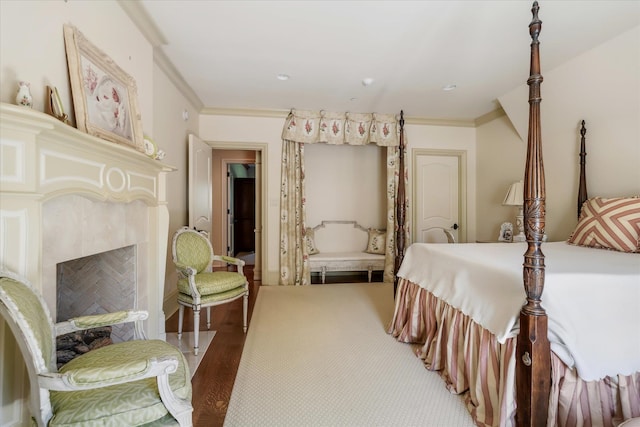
[514, 196]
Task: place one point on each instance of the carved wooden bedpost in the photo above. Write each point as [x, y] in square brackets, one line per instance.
[400, 208]
[533, 357]
[582, 189]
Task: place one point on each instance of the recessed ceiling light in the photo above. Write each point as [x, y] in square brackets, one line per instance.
[283, 77]
[449, 87]
[367, 82]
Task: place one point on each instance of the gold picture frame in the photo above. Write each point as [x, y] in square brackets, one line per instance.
[105, 97]
[54, 105]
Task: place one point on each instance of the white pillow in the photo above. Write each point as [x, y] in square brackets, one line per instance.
[309, 240]
[377, 239]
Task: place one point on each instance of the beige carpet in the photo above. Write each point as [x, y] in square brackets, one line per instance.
[320, 356]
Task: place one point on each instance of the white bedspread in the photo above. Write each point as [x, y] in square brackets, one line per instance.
[591, 296]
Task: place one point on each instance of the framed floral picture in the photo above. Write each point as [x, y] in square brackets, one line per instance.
[506, 232]
[105, 97]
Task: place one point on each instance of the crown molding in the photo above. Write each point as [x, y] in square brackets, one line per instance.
[438, 122]
[213, 111]
[244, 112]
[161, 60]
[140, 17]
[138, 14]
[491, 115]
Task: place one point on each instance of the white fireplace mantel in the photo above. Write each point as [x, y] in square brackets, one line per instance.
[103, 194]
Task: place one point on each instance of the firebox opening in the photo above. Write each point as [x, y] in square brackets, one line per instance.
[98, 284]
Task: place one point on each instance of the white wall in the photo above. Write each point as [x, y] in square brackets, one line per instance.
[420, 137]
[601, 86]
[171, 134]
[32, 46]
[346, 182]
[501, 157]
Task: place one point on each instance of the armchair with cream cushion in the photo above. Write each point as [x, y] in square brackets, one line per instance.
[129, 383]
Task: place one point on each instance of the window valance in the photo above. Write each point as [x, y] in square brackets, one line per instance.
[309, 127]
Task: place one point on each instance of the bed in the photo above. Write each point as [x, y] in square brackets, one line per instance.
[539, 354]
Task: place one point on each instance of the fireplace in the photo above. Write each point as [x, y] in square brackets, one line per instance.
[66, 195]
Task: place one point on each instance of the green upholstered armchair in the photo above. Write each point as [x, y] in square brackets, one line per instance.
[198, 285]
[129, 383]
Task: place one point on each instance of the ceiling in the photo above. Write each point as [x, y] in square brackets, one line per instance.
[230, 53]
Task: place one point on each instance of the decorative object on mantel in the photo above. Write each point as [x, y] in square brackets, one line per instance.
[24, 97]
[104, 96]
[515, 197]
[54, 105]
[151, 149]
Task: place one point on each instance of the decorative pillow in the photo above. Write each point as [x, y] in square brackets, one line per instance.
[609, 224]
[310, 241]
[376, 243]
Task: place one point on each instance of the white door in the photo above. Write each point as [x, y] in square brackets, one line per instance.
[200, 185]
[436, 197]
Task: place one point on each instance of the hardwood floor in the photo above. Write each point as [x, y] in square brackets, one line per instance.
[213, 382]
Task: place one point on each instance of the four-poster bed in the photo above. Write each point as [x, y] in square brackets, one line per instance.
[521, 358]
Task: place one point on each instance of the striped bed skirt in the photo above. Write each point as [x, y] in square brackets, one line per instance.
[473, 363]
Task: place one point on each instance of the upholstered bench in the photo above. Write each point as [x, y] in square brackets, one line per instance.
[345, 246]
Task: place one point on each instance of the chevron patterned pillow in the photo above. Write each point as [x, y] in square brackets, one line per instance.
[609, 224]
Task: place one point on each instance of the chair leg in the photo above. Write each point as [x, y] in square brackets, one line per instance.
[245, 308]
[180, 320]
[196, 329]
[369, 272]
[208, 317]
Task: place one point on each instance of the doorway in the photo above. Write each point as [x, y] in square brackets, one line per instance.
[241, 212]
[239, 161]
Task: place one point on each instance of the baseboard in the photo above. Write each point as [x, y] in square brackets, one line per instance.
[170, 304]
[270, 277]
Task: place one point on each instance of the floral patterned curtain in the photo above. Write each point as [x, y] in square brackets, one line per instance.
[310, 127]
[294, 259]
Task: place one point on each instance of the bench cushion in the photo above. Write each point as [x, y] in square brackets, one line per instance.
[345, 256]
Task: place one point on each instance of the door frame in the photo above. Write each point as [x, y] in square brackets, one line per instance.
[461, 155]
[261, 162]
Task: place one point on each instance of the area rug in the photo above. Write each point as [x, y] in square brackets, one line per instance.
[185, 344]
[320, 356]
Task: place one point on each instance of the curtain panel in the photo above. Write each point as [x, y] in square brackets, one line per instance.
[311, 127]
[294, 257]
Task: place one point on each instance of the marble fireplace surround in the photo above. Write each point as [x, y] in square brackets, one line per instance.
[65, 194]
[77, 227]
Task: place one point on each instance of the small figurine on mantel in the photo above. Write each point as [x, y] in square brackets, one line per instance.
[24, 97]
